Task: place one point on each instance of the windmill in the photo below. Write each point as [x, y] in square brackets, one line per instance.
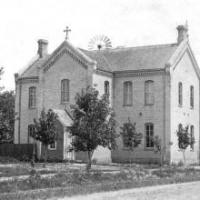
[99, 42]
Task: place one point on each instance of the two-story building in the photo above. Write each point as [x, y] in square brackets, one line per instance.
[157, 87]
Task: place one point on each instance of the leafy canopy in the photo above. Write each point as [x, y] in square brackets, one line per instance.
[93, 122]
[45, 128]
[130, 136]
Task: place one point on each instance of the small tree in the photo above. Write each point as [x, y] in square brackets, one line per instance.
[7, 116]
[185, 139]
[130, 136]
[1, 72]
[93, 123]
[45, 130]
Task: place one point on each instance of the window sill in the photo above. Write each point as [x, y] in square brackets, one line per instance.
[32, 108]
[149, 104]
[51, 149]
[127, 105]
[64, 103]
[149, 149]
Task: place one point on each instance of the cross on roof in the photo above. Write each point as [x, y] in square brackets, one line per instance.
[67, 30]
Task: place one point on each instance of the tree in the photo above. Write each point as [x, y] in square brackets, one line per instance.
[7, 116]
[45, 130]
[1, 72]
[185, 139]
[93, 123]
[131, 137]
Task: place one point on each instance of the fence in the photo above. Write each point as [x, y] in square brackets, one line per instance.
[18, 151]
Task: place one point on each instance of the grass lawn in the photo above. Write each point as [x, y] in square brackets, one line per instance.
[74, 182]
[20, 171]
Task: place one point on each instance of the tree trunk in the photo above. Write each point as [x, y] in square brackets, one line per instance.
[45, 155]
[184, 159]
[89, 164]
[130, 159]
[161, 161]
[34, 155]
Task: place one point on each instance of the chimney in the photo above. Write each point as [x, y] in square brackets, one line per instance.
[182, 33]
[42, 48]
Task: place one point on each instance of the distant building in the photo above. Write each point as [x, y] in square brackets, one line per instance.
[155, 86]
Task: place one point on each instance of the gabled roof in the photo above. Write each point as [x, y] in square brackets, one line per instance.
[98, 56]
[36, 62]
[115, 60]
[133, 58]
[31, 68]
[70, 49]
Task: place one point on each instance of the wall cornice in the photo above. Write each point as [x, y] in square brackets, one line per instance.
[145, 72]
[31, 79]
[104, 73]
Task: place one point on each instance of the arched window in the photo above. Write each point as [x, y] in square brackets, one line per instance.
[106, 88]
[32, 97]
[192, 96]
[128, 93]
[64, 90]
[149, 132]
[149, 92]
[180, 94]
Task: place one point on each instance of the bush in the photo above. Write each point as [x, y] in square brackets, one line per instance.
[94, 161]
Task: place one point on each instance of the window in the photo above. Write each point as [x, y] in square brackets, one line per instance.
[31, 130]
[149, 92]
[106, 88]
[180, 94]
[149, 130]
[192, 131]
[32, 97]
[52, 146]
[64, 90]
[191, 96]
[128, 93]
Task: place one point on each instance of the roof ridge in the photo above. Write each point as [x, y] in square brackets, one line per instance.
[146, 46]
[131, 47]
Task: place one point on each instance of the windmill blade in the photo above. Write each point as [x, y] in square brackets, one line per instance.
[99, 42]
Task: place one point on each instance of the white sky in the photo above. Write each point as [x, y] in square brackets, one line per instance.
[125, 22]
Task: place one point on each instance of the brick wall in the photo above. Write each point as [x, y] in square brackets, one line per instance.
[139, 113]
[27, 115]
[184, 72]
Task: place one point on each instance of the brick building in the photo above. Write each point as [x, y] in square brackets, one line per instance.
[155, 86]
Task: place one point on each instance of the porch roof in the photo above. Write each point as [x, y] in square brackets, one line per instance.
[63, 117]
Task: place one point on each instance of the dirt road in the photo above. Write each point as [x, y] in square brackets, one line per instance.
[182, 191]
